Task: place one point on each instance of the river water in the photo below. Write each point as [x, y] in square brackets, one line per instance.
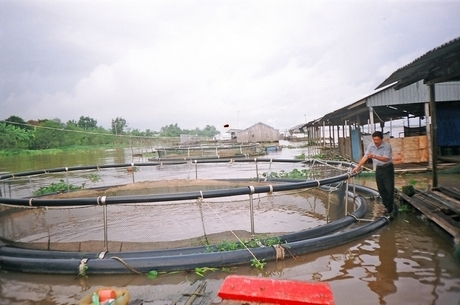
[411, 261]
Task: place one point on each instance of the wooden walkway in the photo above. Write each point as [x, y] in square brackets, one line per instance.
[441, 205]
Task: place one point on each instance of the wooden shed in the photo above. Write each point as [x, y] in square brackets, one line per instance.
[258, 133]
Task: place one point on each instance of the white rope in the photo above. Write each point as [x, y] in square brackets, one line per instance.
[269, 169]
[239, 239]
[279, 251]
[82, 267]
[101, 200]
[200, 205]
[354, 216]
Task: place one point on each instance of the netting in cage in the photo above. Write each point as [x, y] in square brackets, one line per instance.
[166, 225]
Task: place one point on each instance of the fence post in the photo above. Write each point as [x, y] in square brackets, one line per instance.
[346, 197]
[196, 170]
[106, 240]
[67, 179]
[257, 169]
[251, 209]
[132, 171]
[101, 200]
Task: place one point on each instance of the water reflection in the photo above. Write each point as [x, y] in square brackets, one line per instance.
[382, 280]
[410, 262]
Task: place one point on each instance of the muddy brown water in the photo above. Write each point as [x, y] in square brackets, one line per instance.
[411, 261]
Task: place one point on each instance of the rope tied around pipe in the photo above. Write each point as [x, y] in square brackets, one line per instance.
[126, 264]
[269, 169]
[101, 200]
[354, 216]
[83, 267]
[200, 205]
[279, 252]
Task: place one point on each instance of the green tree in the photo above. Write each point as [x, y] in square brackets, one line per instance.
[171, 131]
[118, 125]
[18, 122]
[87, 123]
[210, 131]
[15, 137]
[49, 134]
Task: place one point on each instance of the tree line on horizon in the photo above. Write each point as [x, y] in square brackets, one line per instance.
[16, 133]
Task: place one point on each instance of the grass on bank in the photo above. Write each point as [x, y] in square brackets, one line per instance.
[54, 151]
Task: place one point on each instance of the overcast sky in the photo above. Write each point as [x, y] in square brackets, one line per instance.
[198, 63]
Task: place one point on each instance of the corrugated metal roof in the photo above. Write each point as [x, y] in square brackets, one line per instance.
[438, 65]
[415, 93]
[391, 104]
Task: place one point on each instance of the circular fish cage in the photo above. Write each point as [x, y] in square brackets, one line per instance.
[178, 214]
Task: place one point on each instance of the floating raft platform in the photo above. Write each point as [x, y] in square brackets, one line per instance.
[441, 205]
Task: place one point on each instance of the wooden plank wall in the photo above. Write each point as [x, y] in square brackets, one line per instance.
[405, 150]
[258, 133]
[409, 149]
[345, 148]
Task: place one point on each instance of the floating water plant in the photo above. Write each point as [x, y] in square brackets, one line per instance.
[59, 187]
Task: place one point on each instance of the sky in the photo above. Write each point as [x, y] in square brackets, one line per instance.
[198, 63]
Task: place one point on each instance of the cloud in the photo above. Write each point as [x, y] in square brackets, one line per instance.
[201, 63]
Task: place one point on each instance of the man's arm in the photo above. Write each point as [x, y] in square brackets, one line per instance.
[361, 162]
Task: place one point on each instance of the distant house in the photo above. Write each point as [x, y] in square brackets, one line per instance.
[257, 133]
[233, 133]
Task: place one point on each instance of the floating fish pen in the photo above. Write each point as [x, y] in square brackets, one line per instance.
[162, 222]
[208, 150]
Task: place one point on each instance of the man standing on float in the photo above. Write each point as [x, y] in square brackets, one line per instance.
[380, 153]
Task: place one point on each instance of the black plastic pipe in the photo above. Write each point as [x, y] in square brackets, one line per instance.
[59, 262]
[338, 224]
[286, 238]
[102, 200]
[305, 241]
[160, 161]
[111, 265]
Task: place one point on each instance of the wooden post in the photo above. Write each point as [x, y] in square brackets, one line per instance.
[371, 119]
[324, 133]
[428, 136]
[434, 129]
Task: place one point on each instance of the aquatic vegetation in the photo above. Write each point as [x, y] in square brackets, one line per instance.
[94, 178]
[294, 174]
[59, 187]
[259, 264]
[237, 245]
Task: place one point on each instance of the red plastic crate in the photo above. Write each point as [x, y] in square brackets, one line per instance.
[265, 290]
